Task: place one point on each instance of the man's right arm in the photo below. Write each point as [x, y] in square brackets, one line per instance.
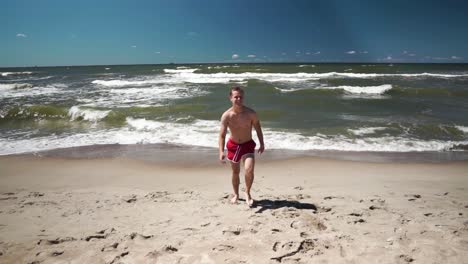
[222, 136]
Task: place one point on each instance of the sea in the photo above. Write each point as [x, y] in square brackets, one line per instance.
[397, 111]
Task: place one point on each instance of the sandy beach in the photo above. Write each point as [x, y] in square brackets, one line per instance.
[308, 210]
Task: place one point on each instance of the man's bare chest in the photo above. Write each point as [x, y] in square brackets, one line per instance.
[240, 121]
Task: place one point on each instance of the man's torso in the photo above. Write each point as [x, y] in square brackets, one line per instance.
[240, 125]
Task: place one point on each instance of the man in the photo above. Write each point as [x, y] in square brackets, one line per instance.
[240, 146]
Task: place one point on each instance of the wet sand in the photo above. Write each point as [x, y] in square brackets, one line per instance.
[308, 210]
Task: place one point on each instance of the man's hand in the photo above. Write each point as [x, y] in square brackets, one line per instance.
[261, 149]
[222, 157]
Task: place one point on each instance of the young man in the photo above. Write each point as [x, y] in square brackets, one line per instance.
[240, 146]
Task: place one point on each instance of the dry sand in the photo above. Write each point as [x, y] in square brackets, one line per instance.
[308, 210]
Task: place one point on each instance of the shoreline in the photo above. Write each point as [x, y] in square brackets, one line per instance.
[194, 155]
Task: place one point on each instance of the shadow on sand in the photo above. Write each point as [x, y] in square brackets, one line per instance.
[272, 205]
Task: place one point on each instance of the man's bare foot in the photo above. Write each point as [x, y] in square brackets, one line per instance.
[249, 200]
[234, 199]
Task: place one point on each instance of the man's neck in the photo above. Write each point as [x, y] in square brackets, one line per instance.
[238, 108]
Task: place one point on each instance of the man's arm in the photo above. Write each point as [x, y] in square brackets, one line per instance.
[258, 129]
[222, 136]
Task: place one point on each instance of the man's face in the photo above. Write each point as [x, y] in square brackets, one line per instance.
[237, 98]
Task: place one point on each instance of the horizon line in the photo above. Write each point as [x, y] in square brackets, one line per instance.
[190, 63]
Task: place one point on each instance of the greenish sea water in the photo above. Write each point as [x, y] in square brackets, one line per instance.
[311, 107]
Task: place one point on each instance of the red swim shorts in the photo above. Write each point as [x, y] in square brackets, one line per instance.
[236, 151]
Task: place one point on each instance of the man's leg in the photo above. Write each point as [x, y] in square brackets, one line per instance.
[249, 165]
[235, 181]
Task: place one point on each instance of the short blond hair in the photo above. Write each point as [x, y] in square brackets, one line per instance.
[236, 89]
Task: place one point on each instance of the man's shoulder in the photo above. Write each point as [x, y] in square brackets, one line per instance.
[227, 112]
[250, 110]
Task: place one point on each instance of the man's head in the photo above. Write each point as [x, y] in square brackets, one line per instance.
[236, 95]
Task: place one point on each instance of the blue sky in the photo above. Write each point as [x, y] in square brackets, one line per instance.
[85, 32]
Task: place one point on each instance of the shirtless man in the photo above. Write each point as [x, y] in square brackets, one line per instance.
[240, 120]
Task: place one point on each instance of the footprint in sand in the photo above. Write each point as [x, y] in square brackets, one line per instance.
[308, 222]
[291, 248]
[111, 247]
[135, 235]
[35, 194]
[232, 231]
[405, 259]
[118, 257]
[51, 254]
[55, 241]
[223, 248]
[131, 199]
[413, 197]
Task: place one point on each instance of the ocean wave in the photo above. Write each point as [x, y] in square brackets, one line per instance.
[77, 113]
[180, 70]
[366, 90]
[33, 91]
[371, 90]
[121, 83]
[366, 130]
[15, 85]
[33, 112]
[222, 67]
[341, 143]
[293, 89]
[464, 129]
[205, 132]
[191, 76]
[4, 74]
[127, 97]
[173, 76]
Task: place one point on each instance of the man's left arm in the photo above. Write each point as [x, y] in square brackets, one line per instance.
[258, 129]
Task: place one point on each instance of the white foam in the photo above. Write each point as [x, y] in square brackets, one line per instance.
[366, 130]
[282, 140]
[125, 97]
[92, 115]
[205, 133]
[173, 76]
[15, 85]
[180, 70]
[34, 91]
[4, 74]
[290, 90]
[464, 129]
[363, 89]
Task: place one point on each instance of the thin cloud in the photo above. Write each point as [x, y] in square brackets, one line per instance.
[364, 52]
[351, 52]
[284, 53]
[251, 56]
[133, 46]
[21, 35]
[439, 58]
[157, 52]
[411, 54]
[307, 53]
[235, 56]
[456, 58]
[388, 58]
[317, 53]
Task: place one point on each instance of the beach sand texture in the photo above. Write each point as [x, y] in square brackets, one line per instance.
[308, 210]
